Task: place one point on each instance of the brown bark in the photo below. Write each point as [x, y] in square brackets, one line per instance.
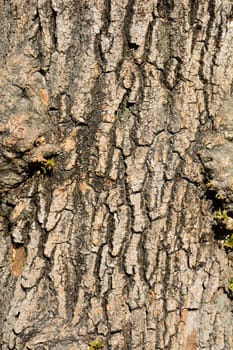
[109, 110]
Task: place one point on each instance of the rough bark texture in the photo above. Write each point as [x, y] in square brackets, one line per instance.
[108, 109]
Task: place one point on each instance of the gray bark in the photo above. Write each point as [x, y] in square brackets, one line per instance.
[109, 111]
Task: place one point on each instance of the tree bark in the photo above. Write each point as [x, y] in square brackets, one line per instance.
[109, 112]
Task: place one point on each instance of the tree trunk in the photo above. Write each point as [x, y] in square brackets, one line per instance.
[110, 113]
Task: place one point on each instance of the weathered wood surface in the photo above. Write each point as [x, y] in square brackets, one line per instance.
[114, 241]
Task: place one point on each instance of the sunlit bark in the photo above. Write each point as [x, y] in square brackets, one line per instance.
[109, 111]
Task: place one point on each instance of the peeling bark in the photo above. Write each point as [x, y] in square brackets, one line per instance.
[109, 110]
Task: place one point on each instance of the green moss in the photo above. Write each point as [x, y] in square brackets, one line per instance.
[220, 196]
[209, 186]
[44, 166]
[229, 242]
[94, 345]
[231, 285]
[220, 215]
[48, 166]
[203, 170]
